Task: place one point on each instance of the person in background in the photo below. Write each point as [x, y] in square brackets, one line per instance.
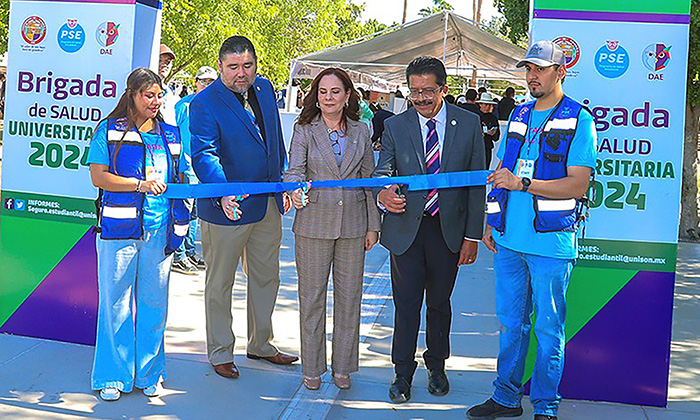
[489, 124]
[186, 260]
[506, 104]
[380, 115]
[170, 98]
[481, 91]
[450, 99]
[366, 113]
[133, 155]
[470, 102]
[333, 227]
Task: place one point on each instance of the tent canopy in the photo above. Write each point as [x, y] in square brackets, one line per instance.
[466, 49]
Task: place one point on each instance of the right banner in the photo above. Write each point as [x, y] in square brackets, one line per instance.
[627, 62]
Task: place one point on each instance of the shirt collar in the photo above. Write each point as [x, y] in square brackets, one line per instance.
[440, 117]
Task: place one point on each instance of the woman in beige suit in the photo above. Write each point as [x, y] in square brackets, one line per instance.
[333, 227]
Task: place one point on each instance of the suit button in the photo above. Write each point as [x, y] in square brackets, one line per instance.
[340, 203]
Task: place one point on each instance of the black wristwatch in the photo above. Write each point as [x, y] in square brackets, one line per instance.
[526, 183]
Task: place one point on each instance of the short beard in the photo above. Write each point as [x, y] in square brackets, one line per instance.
[537, 94]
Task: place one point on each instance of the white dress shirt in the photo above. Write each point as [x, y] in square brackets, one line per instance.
[440, 121]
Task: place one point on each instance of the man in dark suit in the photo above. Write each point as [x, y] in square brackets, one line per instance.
[429, 233]
[236, 137]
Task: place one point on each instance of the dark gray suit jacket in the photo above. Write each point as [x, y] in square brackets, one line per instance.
[403, 153]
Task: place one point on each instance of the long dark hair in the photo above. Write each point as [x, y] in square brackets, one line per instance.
[311, 110]
[138, 81]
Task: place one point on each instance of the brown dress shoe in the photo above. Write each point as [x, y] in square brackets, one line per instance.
[278, 359]
[227, 370]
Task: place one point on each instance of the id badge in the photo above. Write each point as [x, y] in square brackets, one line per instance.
[152, 174]
[526, 168]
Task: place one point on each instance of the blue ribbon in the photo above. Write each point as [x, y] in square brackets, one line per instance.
[414, 183]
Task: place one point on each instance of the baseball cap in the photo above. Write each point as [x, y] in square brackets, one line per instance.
[486, 98]
[164, 49]
[206, 72]
[543, 54]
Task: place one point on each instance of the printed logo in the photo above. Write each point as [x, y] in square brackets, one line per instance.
[612, 60]
[656, 57]
[572, 51]
[33, 30]
[107, 34]
[20, 205]
[535, 50]
[9, 203]
[71, 36]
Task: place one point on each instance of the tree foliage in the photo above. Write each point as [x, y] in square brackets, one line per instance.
[517, 19]
[279, 29]
[438, 6]
[4, 24]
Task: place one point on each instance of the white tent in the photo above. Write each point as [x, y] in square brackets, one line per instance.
[466, 49]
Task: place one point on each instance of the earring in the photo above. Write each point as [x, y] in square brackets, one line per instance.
[347, 103]
[317, 105]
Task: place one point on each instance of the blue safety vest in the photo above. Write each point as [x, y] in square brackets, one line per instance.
[121, 213]
[551, 215]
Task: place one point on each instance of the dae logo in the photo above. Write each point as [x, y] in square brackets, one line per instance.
[71, 36]
[107, 34]
[572, 51]
[655, 58]
[612, 60]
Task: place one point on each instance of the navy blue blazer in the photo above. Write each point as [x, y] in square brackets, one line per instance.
[226, 147]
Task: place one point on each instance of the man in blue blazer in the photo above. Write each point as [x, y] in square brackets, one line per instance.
[237, 137]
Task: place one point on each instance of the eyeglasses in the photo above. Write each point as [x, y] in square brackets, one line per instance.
[428, 93]
[334, 137]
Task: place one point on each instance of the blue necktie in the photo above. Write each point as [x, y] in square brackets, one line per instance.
[432, 165]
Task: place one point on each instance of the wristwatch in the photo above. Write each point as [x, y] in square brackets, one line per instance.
[526, 183]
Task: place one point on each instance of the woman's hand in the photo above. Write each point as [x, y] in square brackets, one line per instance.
[370, 239]
[152, 187]
[298, 199]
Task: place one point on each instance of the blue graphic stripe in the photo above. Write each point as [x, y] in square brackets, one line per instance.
[414, 182]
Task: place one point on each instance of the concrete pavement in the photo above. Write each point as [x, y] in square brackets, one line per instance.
[42, 379]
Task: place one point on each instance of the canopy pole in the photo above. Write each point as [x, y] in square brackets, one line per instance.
[444, 37]
[288, 100]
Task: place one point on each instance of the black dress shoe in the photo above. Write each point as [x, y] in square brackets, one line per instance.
[437, 383]
[491, 410]
[544, 417]
[400, 390]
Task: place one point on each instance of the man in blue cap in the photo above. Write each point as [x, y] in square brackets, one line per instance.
[546, 163]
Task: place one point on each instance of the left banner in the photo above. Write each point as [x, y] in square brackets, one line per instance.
[68, 63]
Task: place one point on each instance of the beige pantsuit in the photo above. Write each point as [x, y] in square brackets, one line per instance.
[257, 244]
[330, 232]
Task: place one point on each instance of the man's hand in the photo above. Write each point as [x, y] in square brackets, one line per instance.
[391, 200]
[153, 187]
[488, 239]
[467, 254]
[230, 205]
[286, 202]
[503, 178]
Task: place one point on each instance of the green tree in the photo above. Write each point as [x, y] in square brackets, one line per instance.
[4, 24]
[438, 6]
[517, 19]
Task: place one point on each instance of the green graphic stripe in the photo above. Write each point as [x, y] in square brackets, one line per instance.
[672, 7]
[49, 207]
[590, 289]
[29, 250]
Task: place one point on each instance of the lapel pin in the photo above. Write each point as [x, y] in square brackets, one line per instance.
[453, 122]
[258, 87]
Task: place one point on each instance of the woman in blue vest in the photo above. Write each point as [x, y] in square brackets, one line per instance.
[132, 156]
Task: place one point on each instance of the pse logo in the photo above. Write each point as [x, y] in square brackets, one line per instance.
[612, 60]
[71, 36]
[656, 57]
[33, 31]
[107, 34]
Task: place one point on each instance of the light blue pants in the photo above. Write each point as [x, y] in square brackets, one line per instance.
[130, 334]
[524, 281]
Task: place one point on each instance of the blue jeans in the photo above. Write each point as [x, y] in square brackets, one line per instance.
[130, 335]
[188, 247]
[524, 281]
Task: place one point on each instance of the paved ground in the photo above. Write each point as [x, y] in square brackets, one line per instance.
[42, 379]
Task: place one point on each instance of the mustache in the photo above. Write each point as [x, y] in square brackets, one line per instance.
[423, 102]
